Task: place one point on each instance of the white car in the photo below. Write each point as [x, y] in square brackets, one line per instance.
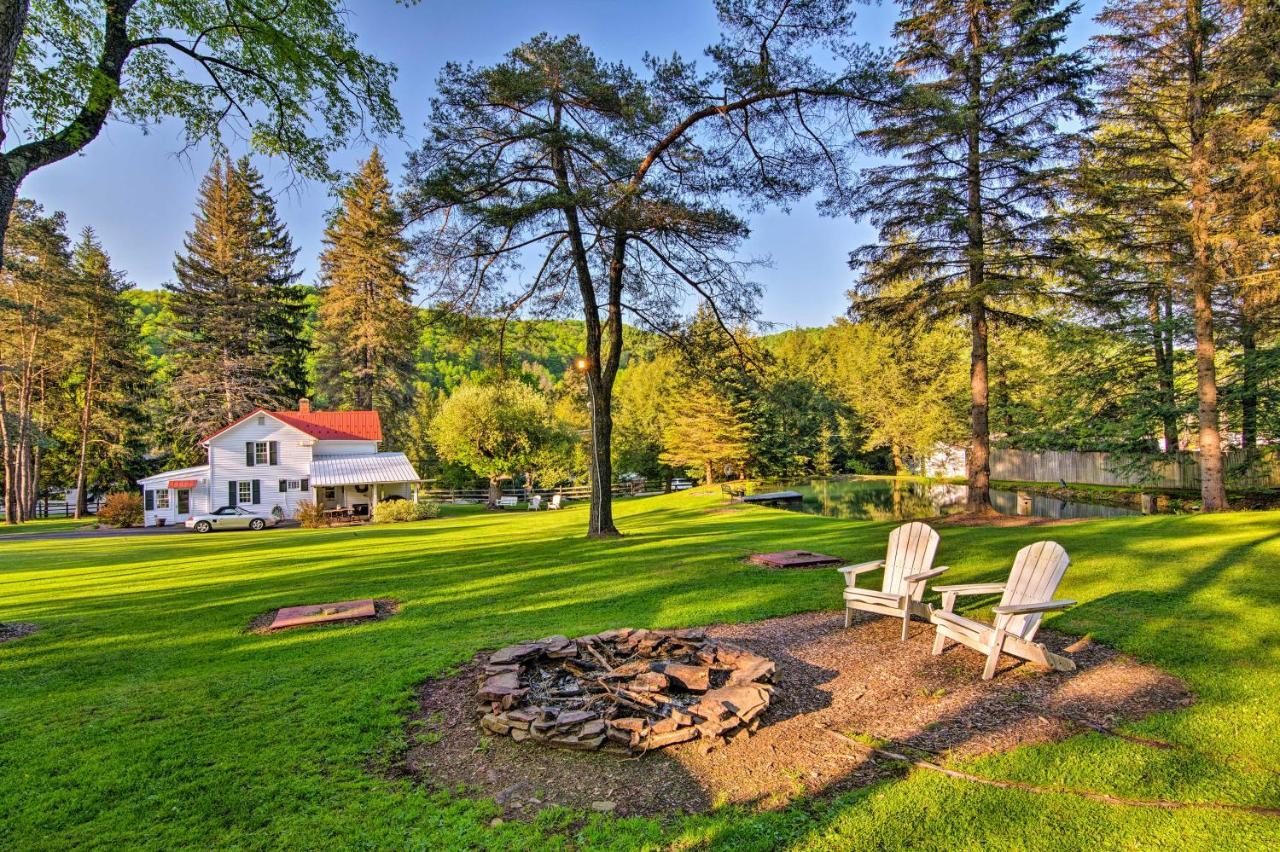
[230, 518]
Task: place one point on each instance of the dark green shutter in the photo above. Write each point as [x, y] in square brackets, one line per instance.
[257, 491]
[231, 494]
[284, 485]
[248, 453]
[306, 485]
[149, 500]
[273, 453]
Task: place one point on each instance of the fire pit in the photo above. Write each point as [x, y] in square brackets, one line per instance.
[624, 690]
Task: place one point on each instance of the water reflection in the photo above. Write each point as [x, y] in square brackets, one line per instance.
[894, 499]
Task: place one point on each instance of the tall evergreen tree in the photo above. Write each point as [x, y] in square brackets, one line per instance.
[1181, 96]
[978, 149]
[236, 314]
[107, 381]
[368, 328]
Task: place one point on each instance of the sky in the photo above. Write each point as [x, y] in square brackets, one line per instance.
[139, 195]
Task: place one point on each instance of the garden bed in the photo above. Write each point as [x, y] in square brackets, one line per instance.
[861, 682]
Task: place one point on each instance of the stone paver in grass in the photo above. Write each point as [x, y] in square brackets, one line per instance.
[793, 559]
[296, 616]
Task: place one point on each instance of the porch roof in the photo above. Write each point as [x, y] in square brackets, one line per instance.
[198, 472]
[371, 468]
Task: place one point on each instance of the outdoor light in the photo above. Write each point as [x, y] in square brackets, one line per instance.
[580, 364]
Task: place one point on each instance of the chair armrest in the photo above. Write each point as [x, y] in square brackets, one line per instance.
[925, 575]
[971, 588]
[854, 570]
[1023, 609]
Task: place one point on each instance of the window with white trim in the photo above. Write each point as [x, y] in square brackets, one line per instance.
[162, 498]
[244, 491]
[294, 484]
[261, 454]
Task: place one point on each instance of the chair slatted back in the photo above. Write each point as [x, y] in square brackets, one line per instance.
[1037, 571]
[911, 550]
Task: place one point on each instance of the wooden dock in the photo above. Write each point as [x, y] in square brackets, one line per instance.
[775, 498]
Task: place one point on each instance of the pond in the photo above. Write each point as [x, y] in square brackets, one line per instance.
[894, 499]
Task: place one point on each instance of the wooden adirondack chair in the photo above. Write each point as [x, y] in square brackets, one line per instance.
[907, 565]
[555, 502]
[1028, 594]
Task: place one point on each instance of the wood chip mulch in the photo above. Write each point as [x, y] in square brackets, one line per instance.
[383, 608]
[16, 630]
[859, 681]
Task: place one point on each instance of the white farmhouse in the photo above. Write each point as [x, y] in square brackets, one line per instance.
[274, 460]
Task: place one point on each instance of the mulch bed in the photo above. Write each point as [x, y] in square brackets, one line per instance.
[16, 630]
[383, 608]
[861, 681]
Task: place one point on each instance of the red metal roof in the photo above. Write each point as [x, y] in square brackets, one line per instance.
[323, 425]
[334, 425]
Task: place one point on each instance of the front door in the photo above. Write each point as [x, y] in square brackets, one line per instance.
[184, 503]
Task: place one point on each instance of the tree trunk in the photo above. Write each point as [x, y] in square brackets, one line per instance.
[898, 465]
[708, 473]
[86, 411]
[979, 468]
[1213, 492]
[600, 523]
[495, 491]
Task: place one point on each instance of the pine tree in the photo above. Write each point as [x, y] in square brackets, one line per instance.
[708, 431]
[368, 328]
[1185, 129]
[236, 315]
[108, 382]
[963, 210]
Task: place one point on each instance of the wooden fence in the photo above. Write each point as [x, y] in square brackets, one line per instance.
[571, 492]
[1258, 469]
[58, 508]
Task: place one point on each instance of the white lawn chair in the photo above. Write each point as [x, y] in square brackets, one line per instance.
[1028, 594]
[554, 502]
[535, 502]
[907, 565]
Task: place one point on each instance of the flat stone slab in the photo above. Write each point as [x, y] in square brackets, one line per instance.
[295, 616]
[793, 559]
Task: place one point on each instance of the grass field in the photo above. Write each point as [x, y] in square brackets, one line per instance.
[51, 525]
[141, 714]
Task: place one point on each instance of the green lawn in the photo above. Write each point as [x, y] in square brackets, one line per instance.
[142, 715]
[51, 525]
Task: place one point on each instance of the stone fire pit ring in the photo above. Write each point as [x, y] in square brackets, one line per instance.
[624, 690]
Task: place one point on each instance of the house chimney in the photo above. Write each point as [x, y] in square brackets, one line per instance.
[304, 406]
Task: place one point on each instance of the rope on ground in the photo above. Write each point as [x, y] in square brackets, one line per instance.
[1163, 804]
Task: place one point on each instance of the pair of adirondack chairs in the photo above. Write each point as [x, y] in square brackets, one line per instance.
[1025, 597]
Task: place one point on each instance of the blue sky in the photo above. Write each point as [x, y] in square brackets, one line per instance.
[139, 196]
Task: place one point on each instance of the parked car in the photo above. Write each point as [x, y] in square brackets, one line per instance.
[230, 518]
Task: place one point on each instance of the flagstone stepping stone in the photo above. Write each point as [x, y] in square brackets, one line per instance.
[793, 559]
[296, 616]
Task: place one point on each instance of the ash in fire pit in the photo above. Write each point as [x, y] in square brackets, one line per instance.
[627, 690]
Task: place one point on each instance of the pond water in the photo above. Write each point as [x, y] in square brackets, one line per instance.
[891, 499]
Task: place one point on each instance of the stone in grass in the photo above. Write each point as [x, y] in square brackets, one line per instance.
[297, 616]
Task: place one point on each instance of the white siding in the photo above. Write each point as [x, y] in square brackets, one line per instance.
[227, 463]
[345, 448]
[159, 484]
